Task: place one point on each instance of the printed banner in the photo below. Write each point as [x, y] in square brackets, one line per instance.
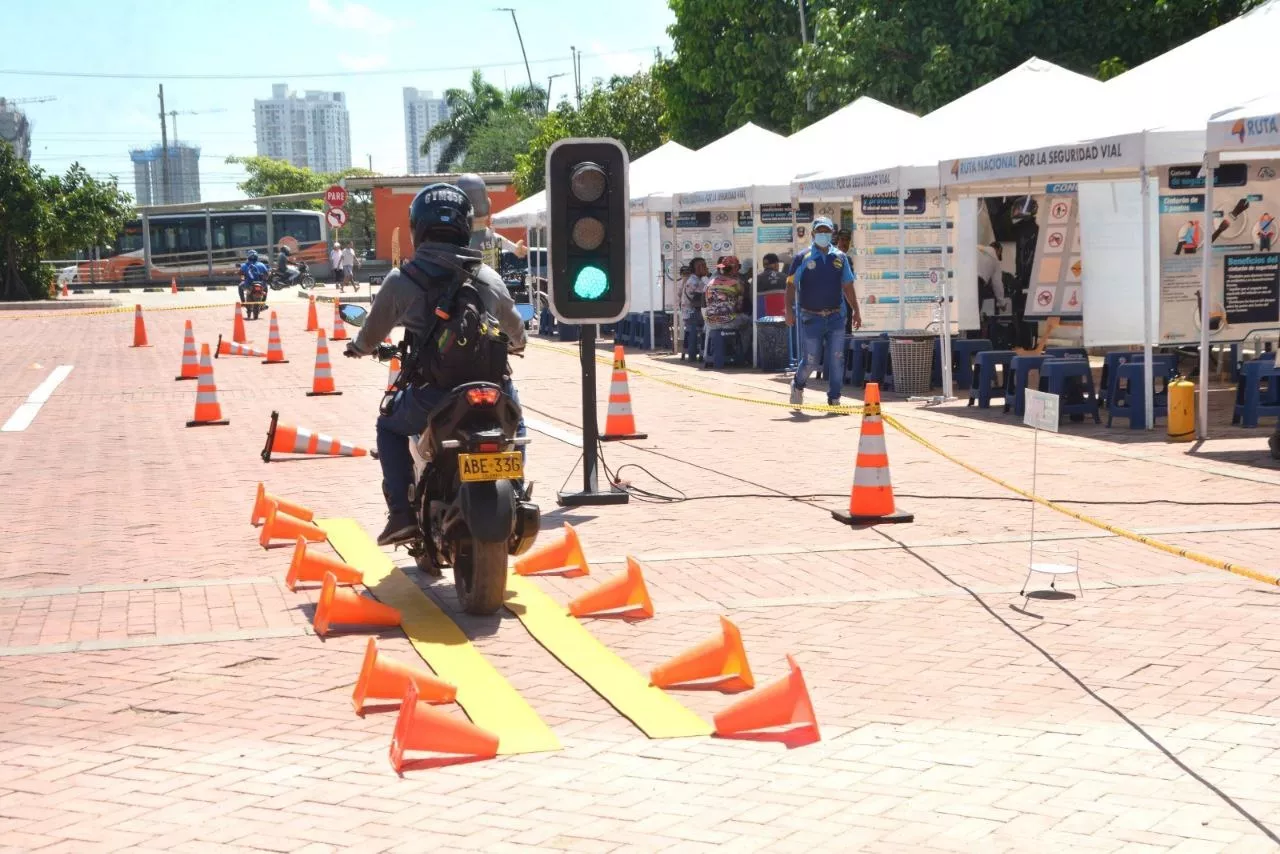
[1056, 272]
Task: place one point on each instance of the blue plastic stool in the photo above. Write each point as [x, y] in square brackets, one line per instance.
[1128, 398]
[881, 365]
[855, 361]
[719, 345]
[986, 379]
[1019, 375]
[963, 351]
[546, 324]
[1251, 403]
[1061, 377]
[1064, 352]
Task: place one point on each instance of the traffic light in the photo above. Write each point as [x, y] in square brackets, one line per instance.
[588, 209]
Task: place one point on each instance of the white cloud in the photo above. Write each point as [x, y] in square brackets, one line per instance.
[614, 62]
[351, 17]
[367, 62]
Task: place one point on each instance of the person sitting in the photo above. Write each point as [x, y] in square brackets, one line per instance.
[724, 304]
[693, 294]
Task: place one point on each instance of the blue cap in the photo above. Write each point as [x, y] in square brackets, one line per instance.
[821, 221]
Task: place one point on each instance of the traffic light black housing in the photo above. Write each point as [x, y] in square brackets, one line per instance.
[588, 211]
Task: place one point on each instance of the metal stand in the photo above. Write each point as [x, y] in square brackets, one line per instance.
[590, 494]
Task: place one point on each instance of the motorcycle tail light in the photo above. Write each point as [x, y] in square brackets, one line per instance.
[482, 396]
[488, 447]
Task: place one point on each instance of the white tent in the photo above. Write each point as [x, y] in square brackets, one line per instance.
[526, 213]
[730, 161]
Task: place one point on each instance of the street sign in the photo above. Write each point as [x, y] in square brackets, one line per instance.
[335, 196]
[1041, 411]
[336, 217]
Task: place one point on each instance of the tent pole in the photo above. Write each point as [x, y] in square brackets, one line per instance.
[902, 258]
[1148, 373]
[755, 297]
[653, 283]
[1206, 294]
[944, 342]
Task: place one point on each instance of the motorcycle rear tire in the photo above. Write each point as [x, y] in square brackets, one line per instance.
[480, 576]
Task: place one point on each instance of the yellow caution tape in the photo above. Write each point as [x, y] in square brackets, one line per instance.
[122, 309]
[486, 697]
[656, 713]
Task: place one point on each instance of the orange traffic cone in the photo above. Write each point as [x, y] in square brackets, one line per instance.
[339, 328]
[312, 322]
[275, 352]
[393, 373]
[237, 331]
[288, 439]
[420, 727]
[208, 411]
[312, 567]
[622, 591]
[619, 423]
[279, 525]
[564, 556]
[871, 499]
[342, 605]
[139, 328]
[66, 290]
[228, 348]
[322, 383]
[262, 503]
[190, 362]
[388, 679]
[718, 657]
[779, 704]
[173, 284]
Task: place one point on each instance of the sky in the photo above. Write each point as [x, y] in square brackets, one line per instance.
[368, 50]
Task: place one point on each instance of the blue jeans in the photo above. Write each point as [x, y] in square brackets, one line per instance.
[408, 419]
[822, 343]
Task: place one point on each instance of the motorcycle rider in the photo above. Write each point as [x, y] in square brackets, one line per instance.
[287, 271]
[252, 270]
[440, 221]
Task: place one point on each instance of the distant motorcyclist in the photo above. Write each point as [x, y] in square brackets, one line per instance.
[440, 220]
[252, 270]
[286, 271]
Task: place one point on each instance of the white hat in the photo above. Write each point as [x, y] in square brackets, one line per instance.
[337, 245]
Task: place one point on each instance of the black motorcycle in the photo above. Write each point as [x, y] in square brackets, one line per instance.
[257, 300]
[469, 496]
[302, 277]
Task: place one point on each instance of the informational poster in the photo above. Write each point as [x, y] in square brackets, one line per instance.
[696, 234]
[1244, 283]
[892, 264]
[1056, 272]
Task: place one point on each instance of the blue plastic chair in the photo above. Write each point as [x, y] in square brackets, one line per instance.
[855, 361]
[722, 347]
[1061, 377]
[881, 364]
[991, 375]
[1020, 369]
[1127, 394]
[963, 351]
[1251, 402]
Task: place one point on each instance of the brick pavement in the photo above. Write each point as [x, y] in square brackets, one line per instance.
[169, 698]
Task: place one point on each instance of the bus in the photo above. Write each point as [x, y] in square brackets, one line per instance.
[193, 245]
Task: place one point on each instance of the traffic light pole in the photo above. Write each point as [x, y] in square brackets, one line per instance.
[591, 493]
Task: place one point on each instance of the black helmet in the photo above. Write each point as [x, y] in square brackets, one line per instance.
[441, 213]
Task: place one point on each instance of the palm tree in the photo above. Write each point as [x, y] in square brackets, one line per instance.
[470, 109]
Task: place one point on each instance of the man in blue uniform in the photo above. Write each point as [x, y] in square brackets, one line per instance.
[824, 276]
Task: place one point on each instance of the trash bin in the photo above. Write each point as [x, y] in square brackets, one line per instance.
[774, 352]
[912, 357]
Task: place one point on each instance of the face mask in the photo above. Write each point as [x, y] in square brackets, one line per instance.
[822, 240]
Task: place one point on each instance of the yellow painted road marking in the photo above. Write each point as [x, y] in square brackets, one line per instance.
[657, 714]
[486, 697]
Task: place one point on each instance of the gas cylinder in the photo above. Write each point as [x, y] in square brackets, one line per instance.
[1182, 406]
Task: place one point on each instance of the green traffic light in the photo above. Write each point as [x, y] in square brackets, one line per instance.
[591, 283]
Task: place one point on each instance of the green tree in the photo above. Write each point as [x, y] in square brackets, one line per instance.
[471, 109]
[730, 65]
[270, 177]
[922, 55]
[50, 217]
[495, 145]
[630, 109]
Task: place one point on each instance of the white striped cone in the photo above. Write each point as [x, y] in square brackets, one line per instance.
[619, 422]
[190, 361]
[871, 497]
[339, 328]
[322, 384]
[208, 412]
[288, 439]
[275, 352]
[230, 348]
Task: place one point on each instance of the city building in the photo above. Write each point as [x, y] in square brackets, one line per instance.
[421, 113]
[15, 129]
[183, 175]
[310, 130]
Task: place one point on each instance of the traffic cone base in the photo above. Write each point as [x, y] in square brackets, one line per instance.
[384, 678]
[289, 439]
[344, 606]
[208, 411]
[190, 360]
[322, 382]
[262, 503]
[782, 703]
[420, 727]
[311, 566]
[625, 591]
[722, 657]
[619, 422]
[139, 328]
[563, 556]
[237, 330]
[279, 525]
[871, 498]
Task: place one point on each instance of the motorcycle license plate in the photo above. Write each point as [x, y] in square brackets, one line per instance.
[481, 467]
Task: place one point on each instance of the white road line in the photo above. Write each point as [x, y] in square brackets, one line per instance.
[26, 413]
[553, 431]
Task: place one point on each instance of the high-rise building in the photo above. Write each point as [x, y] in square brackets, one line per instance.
[421, 113]
[183, 175]
[311, 130]
[15, 129]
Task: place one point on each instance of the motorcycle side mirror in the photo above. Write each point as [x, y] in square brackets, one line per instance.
[353, 314]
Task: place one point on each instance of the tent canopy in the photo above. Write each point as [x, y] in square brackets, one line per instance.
[1021, 104]
[1253, 126]
[732, 161]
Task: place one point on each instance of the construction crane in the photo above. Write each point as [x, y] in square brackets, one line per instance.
[175, 113]
[38, 100]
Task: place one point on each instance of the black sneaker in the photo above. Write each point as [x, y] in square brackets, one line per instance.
[402, 526]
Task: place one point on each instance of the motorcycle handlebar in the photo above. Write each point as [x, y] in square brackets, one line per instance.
[386, 352]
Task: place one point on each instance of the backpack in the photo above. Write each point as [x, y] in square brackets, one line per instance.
[464, 343]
